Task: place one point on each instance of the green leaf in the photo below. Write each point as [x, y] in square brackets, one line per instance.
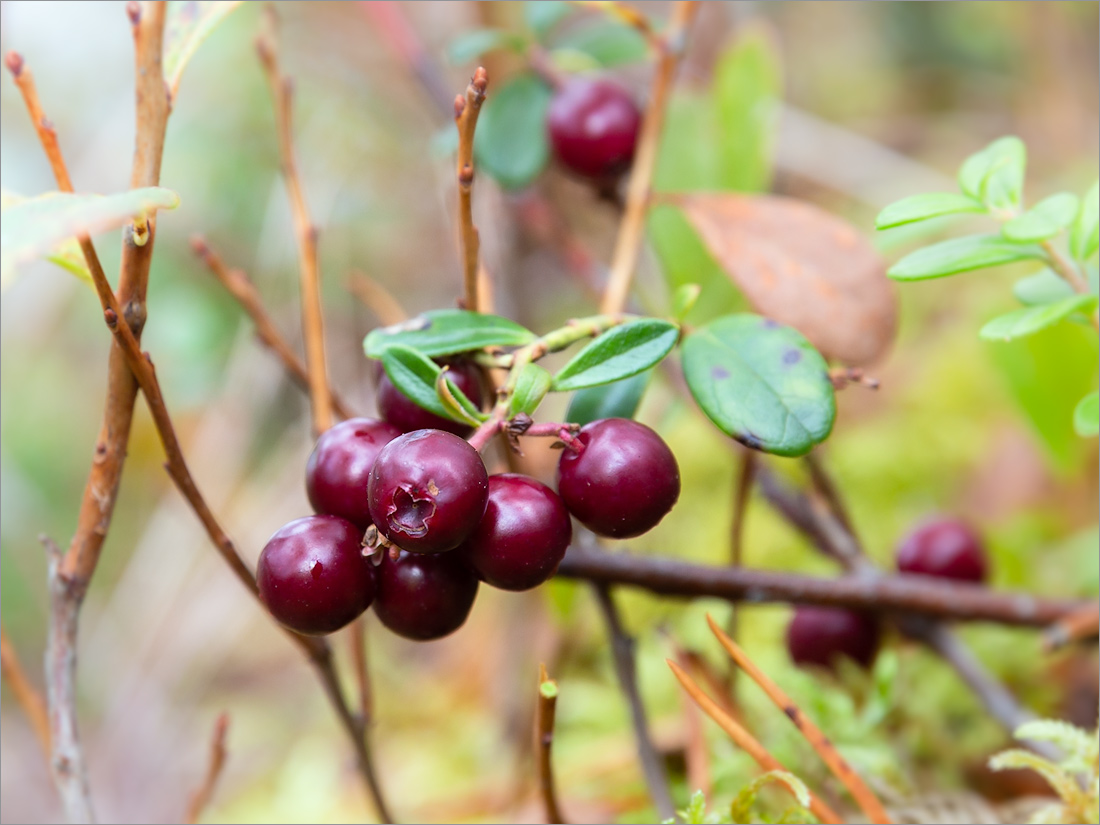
[619, 399]
[532, 384]
[448, 331]
[609, 42]
[741, 807]
[1032, 319]
[187, 25]
[542, 16]
[683, 300]
[995, 175]
[746, 97]
[415, 376]
[1044, 220]
[66, 254]
[1044, 287]
[511, 142]
[1084, 238]
[923, 207]
[458, 406]
[471, 45]
[761, 383]
[620, 352]
[960, 255]
[34, 227]
[1086, 415]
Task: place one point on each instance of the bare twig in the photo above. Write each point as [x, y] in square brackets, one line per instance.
[357, 640]
[376, 298]
[467, 108]
[202, 795]
[902, 594]
[624, 259]
[622, 654]
[47, 135]
[312, 323]
[742, 491]
[544, 731]
[26, 694]
[1081, 624]
[840, 768]
[823, 484]
[745, 740]
[240, 286]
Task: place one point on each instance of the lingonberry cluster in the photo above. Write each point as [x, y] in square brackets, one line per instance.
[408, 518]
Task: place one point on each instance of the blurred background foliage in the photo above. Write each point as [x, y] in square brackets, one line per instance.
[848, 105]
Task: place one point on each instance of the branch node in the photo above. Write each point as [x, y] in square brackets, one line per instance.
[14, 61]
[133, 11]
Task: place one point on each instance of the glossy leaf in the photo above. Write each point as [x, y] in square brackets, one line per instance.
[801, 266]
[455, 402]
[683, 300]
[1086, 416]
[188, 24]
[761, 383]
[995, 175]
[960, 255]
[472, 45]
[620, 352]
[1084, 238]
[415, 376]
[1044, 287]
[448, 331]
[532, 384]
[1044, 220]
[619, 399]
[510, 142]
[610, 43]
[923, 207]
[1032, 319]
[34, 227]
[541, 17]
[66, 254]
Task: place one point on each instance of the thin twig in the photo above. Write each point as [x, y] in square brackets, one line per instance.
[47, 135]
[310, 277]
[376, 298]
[624, 259]
[26, 694]
[467, 108]
[1070, 274]
[745, 740]
[901, 594]
[544, 728]
[357, 641]
[742, 491]
[622, 655]
[1081, 624]
[840, 768]
[825, 487]
[240, 286]
[202, 795]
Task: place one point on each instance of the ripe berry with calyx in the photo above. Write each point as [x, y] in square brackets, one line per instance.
[593, 127]
[947, 549]
[427, 491]
[817, 635]
[312, 574]
[339, 468]
[424, 597]
[406, 415]
[523, 535]
[619, 479]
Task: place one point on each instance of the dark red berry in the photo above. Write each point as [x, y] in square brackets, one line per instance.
[948, 549]
[424, 597]
[339, 468]
[623, 480]
[400, 411]
[817, 635]
[427, 491]
[312, 574]
[593, 126]
[523, 535]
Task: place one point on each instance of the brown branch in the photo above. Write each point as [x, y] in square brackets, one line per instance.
[467, 108]
[840, 768]
[741, 493]
[310, 277]
[240, 286]
[624, 259]
[376, 298]
[891, 594]
[357, 641]
[202, 795]
[745, 740]
[26, 694]
[622, 656]
[47, 135]
[1082, 624]
[544, 727]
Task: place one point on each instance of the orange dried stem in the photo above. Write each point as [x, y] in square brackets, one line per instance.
[547, 706]
[201, 797]
[1081, 624]
[47, 135]
[376, 298]
[467, 108]
[26, 694]
[840, 768]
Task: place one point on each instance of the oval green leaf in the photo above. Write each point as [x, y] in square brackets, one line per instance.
[1032, 319]
[188, 24]
[761, 383]
[415, 376]
[923, 207]
[1085, 236]
[995, 175]
[1044, 220]
[609, 42]
[960, 255]
[1086, 416]
[447, 332]
[1044, 287]
[619, 399]
[541, 17]
[532, 384]
[620, 352]
[511, 143]
[458, 406]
